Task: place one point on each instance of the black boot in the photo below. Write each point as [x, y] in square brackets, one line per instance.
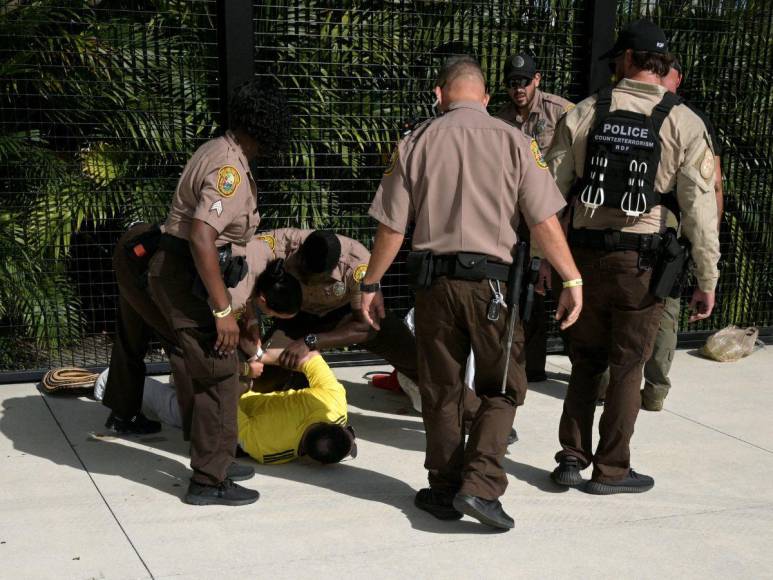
[225, 493]
[238, 472]
[137, 425]
[438, 503]
[632, 483]
[486, 511]
[568, 471]
[513, 437]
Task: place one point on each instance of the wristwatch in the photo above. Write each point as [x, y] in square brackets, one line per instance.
[311, 341]
[375, 287]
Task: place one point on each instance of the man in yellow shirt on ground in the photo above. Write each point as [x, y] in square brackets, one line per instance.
[281, 426]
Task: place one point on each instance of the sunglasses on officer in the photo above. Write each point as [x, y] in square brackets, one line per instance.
[518, 83]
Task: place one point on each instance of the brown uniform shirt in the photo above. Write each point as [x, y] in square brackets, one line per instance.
[546, 110]
[686, 165]
[462, 179]
[217, 187]
[326, 293]
[258, 256]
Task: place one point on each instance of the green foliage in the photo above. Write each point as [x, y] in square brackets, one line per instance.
[105, 107]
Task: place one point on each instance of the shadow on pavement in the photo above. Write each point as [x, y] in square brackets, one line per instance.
[365, 484]
[100, 454]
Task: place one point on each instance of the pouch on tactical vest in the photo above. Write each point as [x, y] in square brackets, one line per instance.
[622, 159]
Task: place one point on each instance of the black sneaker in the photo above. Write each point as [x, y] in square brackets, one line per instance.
[568, 471]
[225, 493]
[486, 511]
[438, 503]
[632, 483]
[137, 425]
[238, 472]
[513, 437]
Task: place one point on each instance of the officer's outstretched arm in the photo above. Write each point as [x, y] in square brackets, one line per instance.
[385, 248]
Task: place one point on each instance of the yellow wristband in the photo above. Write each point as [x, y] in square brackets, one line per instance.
[222, 313]
[572, 283]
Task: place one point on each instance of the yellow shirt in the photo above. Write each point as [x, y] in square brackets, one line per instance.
[271, 424]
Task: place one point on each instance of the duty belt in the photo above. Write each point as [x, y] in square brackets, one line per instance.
[450, 265]
[180, 247]
[614, 240]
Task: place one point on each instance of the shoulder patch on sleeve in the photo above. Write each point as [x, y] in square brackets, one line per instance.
[707, 164]
[569, 107]
[534, 146]
[359, 272]
[393, 161]
[228, 180]
[269, 239]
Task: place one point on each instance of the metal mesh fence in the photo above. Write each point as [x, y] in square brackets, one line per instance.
[726, 50]
[100, 103]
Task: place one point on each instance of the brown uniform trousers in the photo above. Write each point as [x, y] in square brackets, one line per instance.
[451, 319]
[138, 319]
[616, 328]
[207, 387]
[214, 380]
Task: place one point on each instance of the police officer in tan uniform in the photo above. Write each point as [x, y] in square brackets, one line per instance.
[536, 113]
[629, 156]
[462, 179]
[330, 267]
[213, 212]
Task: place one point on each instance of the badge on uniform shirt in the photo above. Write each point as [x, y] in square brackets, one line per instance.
[539, 127]
[707, 165]
[392, 162]
[228, 180]
[269, 239]
[538, 155]
[359, 272]
[339, 289]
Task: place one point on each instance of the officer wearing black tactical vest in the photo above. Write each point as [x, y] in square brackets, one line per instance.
[628, 156]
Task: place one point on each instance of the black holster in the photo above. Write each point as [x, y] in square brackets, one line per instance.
[670, 272]
[233, 270]
[419, 266]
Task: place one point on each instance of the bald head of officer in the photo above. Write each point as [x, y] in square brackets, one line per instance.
[460, 79]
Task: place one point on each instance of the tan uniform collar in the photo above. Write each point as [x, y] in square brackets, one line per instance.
[474, 105]
[231, 140]
[639, 87]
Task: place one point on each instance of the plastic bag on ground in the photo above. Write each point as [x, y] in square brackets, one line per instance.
[730, 344]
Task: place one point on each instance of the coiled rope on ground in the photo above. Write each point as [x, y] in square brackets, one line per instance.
[68, 378]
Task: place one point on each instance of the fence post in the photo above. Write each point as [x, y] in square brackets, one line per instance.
[235, 49]
[598, 36]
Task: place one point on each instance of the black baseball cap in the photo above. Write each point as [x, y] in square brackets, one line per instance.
[520, 65]
[639, 35]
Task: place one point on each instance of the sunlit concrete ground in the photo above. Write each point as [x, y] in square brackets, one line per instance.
[75, 504]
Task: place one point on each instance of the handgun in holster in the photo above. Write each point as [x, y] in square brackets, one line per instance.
[670, 272]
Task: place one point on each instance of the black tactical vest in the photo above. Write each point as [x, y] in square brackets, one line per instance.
[622, 158]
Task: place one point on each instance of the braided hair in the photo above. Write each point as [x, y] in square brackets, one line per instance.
[259, 108]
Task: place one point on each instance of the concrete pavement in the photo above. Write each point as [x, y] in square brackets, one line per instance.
[77, 504]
